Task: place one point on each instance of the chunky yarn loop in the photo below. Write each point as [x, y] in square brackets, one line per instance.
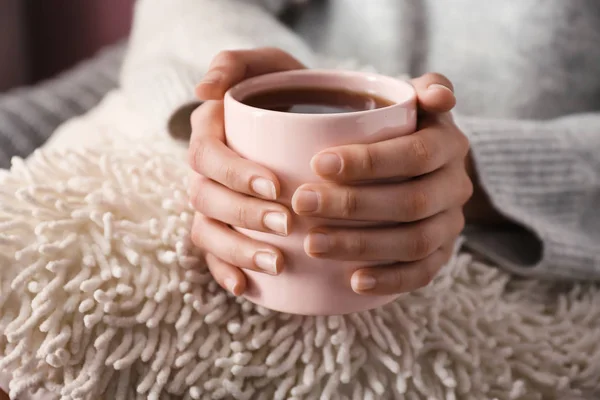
[102, 296]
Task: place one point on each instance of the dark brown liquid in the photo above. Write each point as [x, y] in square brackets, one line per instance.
[316, 101]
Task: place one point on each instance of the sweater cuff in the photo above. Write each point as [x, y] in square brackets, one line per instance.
[157, 90]
[534, 178]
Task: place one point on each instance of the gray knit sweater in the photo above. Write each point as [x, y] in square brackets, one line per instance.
[28, 116]
[527, 80]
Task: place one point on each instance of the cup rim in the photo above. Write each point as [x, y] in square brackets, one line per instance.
[232, 95]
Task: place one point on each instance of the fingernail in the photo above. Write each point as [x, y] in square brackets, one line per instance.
[306, 201]
[212, 77]
[434, 86]
[317, 243]
[264, 187]
[277, 222]
[362, 282]
[266, 262]
[231, 285]
[327, 164]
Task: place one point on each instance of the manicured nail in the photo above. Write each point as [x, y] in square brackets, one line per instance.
[266, 262]
[306, 201]
[277, 222]
[317, 243]
[264, 187]
[212, 77]
[362, 282]
[231, 285]
[434, 86]
[327, 164]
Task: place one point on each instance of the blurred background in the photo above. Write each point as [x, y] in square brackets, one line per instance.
[40, 38]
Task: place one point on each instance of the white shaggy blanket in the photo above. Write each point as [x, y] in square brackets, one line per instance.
[102, 296]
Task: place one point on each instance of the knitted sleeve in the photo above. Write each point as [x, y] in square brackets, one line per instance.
[29, 116]
[172, 44]
[546, 177]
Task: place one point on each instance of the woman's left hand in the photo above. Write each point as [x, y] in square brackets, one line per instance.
[426, 206]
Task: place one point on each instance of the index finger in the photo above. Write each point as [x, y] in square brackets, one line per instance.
[407, 156]
[209, 156]
[231, 67]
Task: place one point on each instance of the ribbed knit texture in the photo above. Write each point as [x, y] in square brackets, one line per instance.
[28, 116]
[546, 176]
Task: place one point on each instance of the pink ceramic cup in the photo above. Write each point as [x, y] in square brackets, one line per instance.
[285, 143]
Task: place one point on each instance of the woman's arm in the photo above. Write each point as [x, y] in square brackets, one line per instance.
[537, 200]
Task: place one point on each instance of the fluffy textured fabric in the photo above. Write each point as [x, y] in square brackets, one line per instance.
[102, 296]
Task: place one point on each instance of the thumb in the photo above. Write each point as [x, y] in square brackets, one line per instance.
[435, 93]
[231, 67]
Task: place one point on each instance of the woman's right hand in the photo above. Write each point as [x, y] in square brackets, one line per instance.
[227, 190]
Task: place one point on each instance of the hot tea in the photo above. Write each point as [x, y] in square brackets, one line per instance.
[316, 101]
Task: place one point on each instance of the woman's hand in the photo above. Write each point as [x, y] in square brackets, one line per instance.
[226, 189]
[426, 206]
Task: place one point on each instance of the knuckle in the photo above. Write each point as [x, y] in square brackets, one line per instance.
[193, 155]
[241, 216]
[198, 196]
[230, 176]
[356, 245]
[417, 206]
[235, 253]
[349, 203]
[226, 57]
[422, 154]
[398, 280]
[422, 244]
[368, 160]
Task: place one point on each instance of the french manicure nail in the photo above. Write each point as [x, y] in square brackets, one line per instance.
[306, 201]
[327, 164]
[317, 243]
[264, 187]
[439, 86]
[362, 282]
[231, 285]
[266, 262]
[277, 222]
